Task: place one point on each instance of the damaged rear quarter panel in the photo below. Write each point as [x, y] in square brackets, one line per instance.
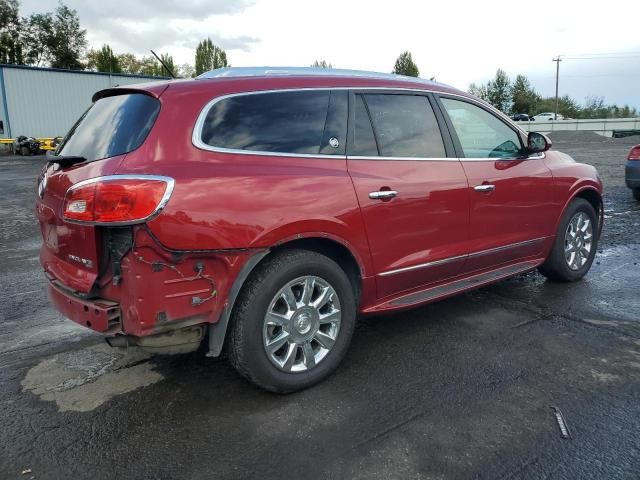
[161, 290]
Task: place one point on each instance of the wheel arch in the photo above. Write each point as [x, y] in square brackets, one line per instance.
[333, 248]
[589, 192]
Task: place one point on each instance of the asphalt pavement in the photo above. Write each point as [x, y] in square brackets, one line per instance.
[463, 388]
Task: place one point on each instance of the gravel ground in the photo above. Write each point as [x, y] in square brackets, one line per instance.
[458, 389]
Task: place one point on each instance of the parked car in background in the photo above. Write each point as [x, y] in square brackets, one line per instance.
[521, 117]
[546, 116]
[632, 171]
[270, 208]
[26, 146]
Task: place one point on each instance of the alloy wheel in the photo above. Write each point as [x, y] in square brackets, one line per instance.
[578, 241]
[301, 324]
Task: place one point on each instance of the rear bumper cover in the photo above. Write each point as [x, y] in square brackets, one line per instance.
[101, 315]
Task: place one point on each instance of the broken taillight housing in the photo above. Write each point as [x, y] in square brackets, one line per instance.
[634, 154]
[117, 199]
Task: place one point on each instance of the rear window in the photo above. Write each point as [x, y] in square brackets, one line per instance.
[111, 126]
[298, 122]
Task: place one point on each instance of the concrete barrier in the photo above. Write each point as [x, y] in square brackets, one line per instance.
[603, 126]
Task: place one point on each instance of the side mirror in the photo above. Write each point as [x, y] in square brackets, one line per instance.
[537, 142]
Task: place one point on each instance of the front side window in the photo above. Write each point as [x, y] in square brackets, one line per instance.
[297, 122]
[404, 126]
[481, 134]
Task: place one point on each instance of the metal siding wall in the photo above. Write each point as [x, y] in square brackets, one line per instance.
[45, 103]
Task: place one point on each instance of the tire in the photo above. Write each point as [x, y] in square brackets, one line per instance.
[250, 332]
[24, 151]
[636, 193]
[558, 265]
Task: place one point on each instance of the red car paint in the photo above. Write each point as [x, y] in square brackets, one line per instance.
[228, 207]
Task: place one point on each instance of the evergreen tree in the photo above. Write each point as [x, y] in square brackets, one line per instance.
[321, 64]
[523, 97]
[209, 57]
[406, 66]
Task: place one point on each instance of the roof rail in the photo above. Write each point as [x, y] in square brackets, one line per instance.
[230, 72]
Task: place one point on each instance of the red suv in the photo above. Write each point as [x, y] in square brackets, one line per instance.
[264, 210]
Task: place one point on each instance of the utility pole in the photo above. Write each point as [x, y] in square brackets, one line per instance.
[557, 60]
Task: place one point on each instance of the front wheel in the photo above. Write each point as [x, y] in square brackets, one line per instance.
[636, 193]
[575, 246]
[293, 321]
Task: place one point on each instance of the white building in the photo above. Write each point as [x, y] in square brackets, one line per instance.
[46, 102]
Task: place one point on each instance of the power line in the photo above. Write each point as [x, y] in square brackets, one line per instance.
[602, 57]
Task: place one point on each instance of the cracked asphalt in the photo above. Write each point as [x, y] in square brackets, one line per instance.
[463, 388]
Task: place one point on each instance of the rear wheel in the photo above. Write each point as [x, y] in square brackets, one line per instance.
[636, 193]
[575, 246]
[293, 321]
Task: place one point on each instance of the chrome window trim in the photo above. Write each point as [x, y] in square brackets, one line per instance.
[170, 182]
[395, 159]
[536, 156]
[196, 136]
[460, 257]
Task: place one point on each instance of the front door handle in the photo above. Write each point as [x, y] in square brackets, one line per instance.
[484, 188]
[382, 194]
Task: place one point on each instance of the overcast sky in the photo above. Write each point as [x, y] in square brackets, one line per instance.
[457, 42]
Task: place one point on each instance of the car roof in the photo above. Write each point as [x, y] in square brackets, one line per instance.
[246, 79]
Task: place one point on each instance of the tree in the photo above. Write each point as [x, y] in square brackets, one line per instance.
[68, 42]
[150, 66]
[103, 60]
[209, 57]
[523, 97]
[37, 35]
[186, 70]
[479, 91]
[499, 91]
[405, 66]
[129, 63]
[10, 29]
[321, 64]
[168, 61]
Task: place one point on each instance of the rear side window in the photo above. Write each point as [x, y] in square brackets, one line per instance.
[111, 126]
[298, 122]
[404, 126]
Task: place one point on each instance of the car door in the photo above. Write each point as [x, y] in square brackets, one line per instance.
[511, 193]
[412, 194]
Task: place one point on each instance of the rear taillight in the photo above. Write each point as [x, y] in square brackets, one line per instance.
[634, 154]
[117, 199]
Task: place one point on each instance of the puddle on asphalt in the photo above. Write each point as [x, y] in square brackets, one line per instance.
[82, 380]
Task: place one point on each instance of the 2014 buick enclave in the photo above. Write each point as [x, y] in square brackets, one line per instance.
[264, 209]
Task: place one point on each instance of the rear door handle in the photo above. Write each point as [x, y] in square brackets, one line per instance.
[382, 194]
[484, 188]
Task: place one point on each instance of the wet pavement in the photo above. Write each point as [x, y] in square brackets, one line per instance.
[463, 388]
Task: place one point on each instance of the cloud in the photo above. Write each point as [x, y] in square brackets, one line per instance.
[158, 34]
[162, 25]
